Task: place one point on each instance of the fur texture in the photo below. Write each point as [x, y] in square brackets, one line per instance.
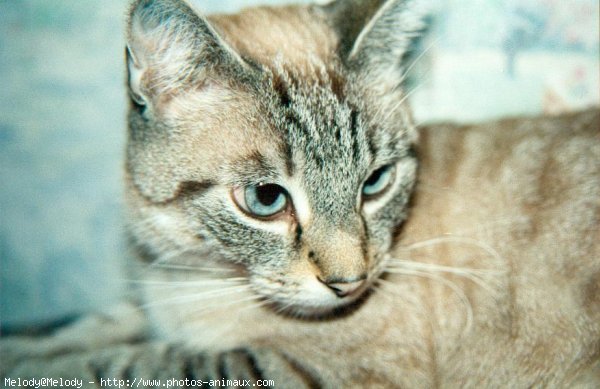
[277, 96]
[214, 114]
[494, 284]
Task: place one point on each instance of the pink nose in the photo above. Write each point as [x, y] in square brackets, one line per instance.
[343, 289]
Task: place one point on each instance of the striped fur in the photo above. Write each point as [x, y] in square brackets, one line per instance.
[278, 95]
[504, 225]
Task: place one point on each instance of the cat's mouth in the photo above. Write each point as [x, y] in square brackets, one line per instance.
[338, 311]
[329, 305]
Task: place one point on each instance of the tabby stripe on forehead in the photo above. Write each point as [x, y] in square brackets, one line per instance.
[253, 166]
[356, 149]
[282, 91]
[288, 157]
[293, 125]
[373, 149]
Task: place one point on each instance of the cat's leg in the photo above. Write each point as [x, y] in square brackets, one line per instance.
[152, 364]
[121, 324]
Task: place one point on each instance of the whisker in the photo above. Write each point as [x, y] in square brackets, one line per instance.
[388, 287]
[204, 295]
[459, 293]
[290, 303]
[475, 275]
[259, 303]
[181, 284]
[406, 73]
[193, 268]
[166, 257]
[402, 100]
[456, 239]
[214, 307]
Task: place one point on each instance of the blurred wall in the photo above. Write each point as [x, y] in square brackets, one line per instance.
[62, 106]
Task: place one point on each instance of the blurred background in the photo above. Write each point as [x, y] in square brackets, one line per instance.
[62, 132]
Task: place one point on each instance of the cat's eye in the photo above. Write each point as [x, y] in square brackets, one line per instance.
[262, 200]
[378, 182]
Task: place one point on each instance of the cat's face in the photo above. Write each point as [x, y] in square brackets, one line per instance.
[296, 175]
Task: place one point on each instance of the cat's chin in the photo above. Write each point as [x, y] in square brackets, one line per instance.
[343, 308]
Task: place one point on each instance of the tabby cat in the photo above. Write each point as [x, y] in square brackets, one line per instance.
[270, 160]
[281, 231]
[270, 164]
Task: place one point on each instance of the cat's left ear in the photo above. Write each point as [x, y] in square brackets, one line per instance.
[376, 37]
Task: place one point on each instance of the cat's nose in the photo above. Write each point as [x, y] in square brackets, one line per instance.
[343, 288]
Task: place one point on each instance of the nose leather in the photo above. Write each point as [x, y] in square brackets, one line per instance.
[343, 289]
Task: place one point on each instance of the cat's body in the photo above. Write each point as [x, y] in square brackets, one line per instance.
[516, 199]
[235, 116]
[303, 101]
[514, 206]
[282, 233]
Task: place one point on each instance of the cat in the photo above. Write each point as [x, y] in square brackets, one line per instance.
[270, 162]
[493, 281]
[291, 224]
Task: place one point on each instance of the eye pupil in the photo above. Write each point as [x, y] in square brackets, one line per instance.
[262, 200]
[374, 177]
[378, 181]
[268, 194]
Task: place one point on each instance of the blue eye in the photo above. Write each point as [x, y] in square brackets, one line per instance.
[378, 181]
[262, 200]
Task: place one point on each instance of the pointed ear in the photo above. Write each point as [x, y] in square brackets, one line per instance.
[169, 46]
[349, 17]
[376, 36]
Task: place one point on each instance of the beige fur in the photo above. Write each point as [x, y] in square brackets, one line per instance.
[493, 280]
[529, 189]
[504, 225]
[296, 34]
[495, 273]
[514, 205]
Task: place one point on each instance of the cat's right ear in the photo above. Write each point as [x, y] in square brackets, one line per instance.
[375, 37]
[170, 48]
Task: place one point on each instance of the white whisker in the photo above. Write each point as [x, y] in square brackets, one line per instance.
[259, 303]
[475, 275]
[409, 301]
[416, 60]
[456, 239]
[195, 297]
[190, 267]
[402, 100]
[459, 293]
[218, 306]
[182, 284]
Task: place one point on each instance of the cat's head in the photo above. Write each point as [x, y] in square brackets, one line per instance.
[277, 142]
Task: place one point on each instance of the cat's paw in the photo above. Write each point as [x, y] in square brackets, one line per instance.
[263, 367]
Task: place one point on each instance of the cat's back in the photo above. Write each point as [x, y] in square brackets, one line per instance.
[495, 278]
[521, 196]
[544, 172]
